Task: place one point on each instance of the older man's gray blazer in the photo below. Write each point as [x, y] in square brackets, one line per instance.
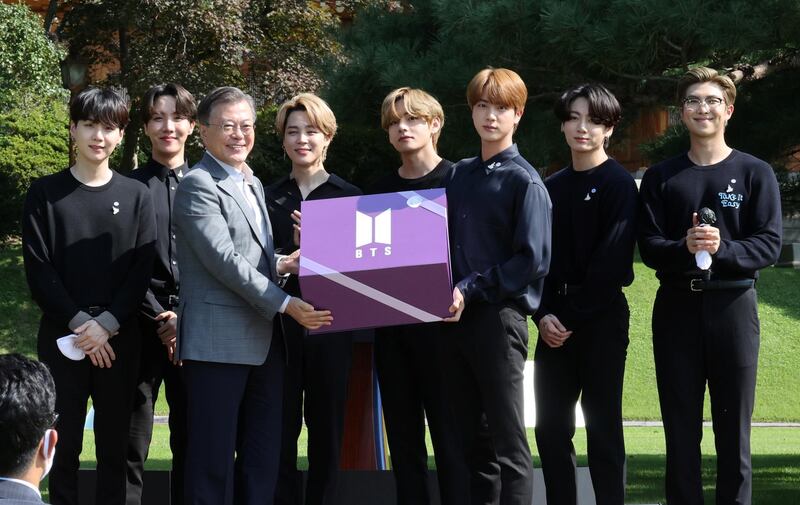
[228, 294]
[14, 493]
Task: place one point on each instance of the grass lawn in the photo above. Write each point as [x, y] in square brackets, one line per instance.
[776, 462]
[777, 392]
[777, 395]
[776, 451]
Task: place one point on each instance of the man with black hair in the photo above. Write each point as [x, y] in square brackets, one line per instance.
[168, 113]
[27, 438]
[705, 315]
[88, 242]
[583, 317]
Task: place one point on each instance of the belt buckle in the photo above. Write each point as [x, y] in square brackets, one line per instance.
[692, 285]
[173, 300]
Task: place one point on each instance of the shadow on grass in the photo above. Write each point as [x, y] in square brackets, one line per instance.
[20, 321]
[776, 479]
[779, 287]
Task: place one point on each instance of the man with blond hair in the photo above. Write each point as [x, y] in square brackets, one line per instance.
[705, 316]
[499, 216]
[407, 357]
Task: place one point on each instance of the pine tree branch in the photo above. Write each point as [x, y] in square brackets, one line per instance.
[746, 72]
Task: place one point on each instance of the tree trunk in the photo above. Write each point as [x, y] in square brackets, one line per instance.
[130, 147]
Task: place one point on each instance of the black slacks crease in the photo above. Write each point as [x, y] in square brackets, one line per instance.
[408, 363]
[233, 409]
[700, 338]
[111, 390]
[315, 387]
[155, 370]
[590, 365]
[484, 372]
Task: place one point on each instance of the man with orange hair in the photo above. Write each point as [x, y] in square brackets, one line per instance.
[500, 220]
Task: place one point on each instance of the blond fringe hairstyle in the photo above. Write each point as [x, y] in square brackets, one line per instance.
[417, 103]
[319, 113]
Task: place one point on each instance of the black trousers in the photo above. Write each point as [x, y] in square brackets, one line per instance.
[233, 409]
[315, 386]
[156, 368]
[484, 371]
[408, 363]
[111, 391]
[706, 337]
[590, 364]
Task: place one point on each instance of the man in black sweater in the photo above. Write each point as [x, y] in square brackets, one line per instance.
[168, 114]
[499, 217]
[705, 316]
[88, 243]
[408, 357]
[583, 317]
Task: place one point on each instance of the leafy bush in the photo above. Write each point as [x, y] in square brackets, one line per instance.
[29, 61]
[34, 141]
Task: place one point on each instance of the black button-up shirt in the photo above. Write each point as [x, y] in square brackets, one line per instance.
[162, 184]
[283, 198]
[500, 221]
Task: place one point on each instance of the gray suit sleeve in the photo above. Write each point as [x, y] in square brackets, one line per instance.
[199, 217]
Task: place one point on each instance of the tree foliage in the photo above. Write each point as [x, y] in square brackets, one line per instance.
[638, 48]
[33, 143]
[29, 61]
[270, 48]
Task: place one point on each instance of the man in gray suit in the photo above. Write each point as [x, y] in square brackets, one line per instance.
[27, 437]
[229, 296]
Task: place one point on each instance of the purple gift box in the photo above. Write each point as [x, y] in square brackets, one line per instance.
[377, 260]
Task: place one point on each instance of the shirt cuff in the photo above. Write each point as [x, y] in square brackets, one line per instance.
[277, 262]
[107, 320]
[284, 304]
[79, 318]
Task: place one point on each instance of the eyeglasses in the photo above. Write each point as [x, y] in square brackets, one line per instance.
[229, 128]
[694, 103]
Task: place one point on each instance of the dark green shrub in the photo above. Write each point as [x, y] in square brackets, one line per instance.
[34, 141]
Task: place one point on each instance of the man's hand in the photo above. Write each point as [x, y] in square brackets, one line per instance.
[103, 357]
[306, 315]
[296, 216]
[168, 328]
[289, 264]
[552, 331]
[172, 352]
[457, 307]
[91, 336]
[702, 238]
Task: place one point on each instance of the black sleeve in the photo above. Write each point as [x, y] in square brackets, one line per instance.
[531, 251]
[130, 294]
[763, 229]
[44, 281]
[659, 252]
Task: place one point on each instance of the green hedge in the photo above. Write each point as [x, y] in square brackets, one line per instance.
[34, 141]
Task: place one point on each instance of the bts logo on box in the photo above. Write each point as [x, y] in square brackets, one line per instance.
[373, 230]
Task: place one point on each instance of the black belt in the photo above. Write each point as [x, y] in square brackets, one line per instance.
[564, 289]
[709, 285]
[168, 301]
[94, 310]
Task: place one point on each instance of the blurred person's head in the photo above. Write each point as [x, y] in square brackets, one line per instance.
[27, 417]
